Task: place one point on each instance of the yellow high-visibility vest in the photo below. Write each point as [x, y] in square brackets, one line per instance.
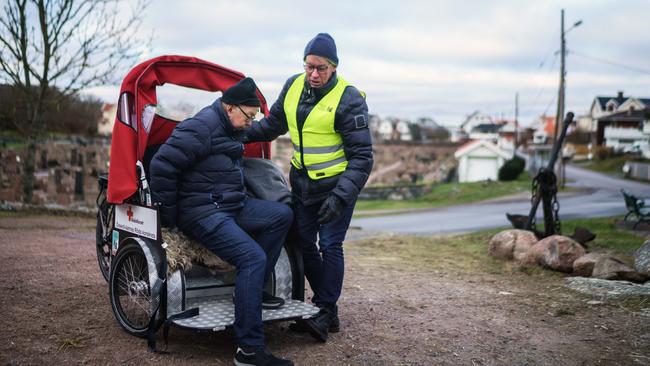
[319, 146]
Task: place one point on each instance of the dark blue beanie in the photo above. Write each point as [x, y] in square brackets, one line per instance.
[242, 93]
[322, 45]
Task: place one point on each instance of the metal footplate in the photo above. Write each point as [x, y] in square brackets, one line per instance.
[218, 312]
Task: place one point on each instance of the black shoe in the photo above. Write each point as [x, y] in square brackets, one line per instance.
[271, 302]
[258, 356]
[300, 327]
[319, 325]
[335, 324]
[268, 301]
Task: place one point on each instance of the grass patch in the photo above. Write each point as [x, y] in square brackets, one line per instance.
[468, 253]
[612, 165]
[11, 140]
[445, 194]
[608, 236]
[13, 214]
[458, 255]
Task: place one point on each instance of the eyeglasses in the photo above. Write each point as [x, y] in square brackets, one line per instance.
[246, 115]
[319, 68]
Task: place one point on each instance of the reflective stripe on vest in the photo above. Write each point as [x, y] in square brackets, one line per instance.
[322, 147]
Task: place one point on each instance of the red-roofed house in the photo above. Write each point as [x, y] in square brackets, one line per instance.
[544, 129]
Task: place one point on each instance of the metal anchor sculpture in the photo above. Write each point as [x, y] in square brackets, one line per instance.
[545, 190]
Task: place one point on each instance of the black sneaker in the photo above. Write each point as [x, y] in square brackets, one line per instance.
[258, 356]
[300, 326]
[335, 324]
[319, 325]
[271, 302]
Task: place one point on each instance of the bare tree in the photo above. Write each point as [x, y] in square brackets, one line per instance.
[67, 45]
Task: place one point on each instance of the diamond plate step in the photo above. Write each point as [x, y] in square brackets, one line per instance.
[218, 312]
[192, 283]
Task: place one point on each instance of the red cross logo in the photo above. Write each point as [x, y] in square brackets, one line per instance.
[129, 213]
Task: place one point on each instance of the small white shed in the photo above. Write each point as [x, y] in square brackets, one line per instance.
[479, 160]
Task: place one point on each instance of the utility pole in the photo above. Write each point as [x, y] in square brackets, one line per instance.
[559, 116]
[560, 97]
[516, 141]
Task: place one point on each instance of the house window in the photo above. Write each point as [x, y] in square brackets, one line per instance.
[611, 106]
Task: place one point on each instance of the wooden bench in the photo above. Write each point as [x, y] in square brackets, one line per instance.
[635, 207]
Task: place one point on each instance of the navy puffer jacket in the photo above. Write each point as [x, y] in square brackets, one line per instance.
[350, 121]
[197, 171]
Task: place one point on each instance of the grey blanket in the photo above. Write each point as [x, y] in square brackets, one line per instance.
[264, 180]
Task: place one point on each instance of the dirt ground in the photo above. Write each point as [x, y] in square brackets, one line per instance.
[55, 310]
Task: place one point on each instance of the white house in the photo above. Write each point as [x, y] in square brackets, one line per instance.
[627, 131]
[607, 105]
[621, 123]
[106, 122]
[479, 160]
[404, 129]
[507, 134]
[457, 135]
[475, 119]
[544, 127]
[487, 131]
[385, 130]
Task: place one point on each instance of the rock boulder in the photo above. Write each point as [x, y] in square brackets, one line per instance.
[556, 252]
[511, 243]
[642, 259]
[584, 266]
[610, 268]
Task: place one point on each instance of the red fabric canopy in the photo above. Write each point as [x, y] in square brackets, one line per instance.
[135, 126]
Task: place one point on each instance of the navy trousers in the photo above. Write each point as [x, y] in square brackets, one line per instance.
[324, 263]
[251, 240]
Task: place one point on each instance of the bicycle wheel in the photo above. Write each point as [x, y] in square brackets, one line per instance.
[130, 292]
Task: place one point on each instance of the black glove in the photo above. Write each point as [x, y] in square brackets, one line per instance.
[330, 209]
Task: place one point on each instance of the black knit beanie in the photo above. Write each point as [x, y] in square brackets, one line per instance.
[242, 93]
[322, 45]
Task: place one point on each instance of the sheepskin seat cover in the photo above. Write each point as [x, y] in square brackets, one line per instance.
[183, 252]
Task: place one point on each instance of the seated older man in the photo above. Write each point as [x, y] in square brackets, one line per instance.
[196, 176]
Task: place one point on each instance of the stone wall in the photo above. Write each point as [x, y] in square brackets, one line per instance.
[66, 172]
[396, 193]
[395, 163]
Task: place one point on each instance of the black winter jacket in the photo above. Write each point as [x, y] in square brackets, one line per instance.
[351, 121]
[197, 171]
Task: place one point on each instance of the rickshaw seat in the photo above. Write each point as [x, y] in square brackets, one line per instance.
[183, 252]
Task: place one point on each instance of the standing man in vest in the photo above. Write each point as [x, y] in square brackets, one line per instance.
[327, 119]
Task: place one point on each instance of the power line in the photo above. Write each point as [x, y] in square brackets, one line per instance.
[533, 105]
[609, 62]
[550, 104]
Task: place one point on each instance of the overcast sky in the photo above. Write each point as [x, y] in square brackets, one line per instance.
[440, 59]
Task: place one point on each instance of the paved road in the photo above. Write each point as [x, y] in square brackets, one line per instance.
[601, 198]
